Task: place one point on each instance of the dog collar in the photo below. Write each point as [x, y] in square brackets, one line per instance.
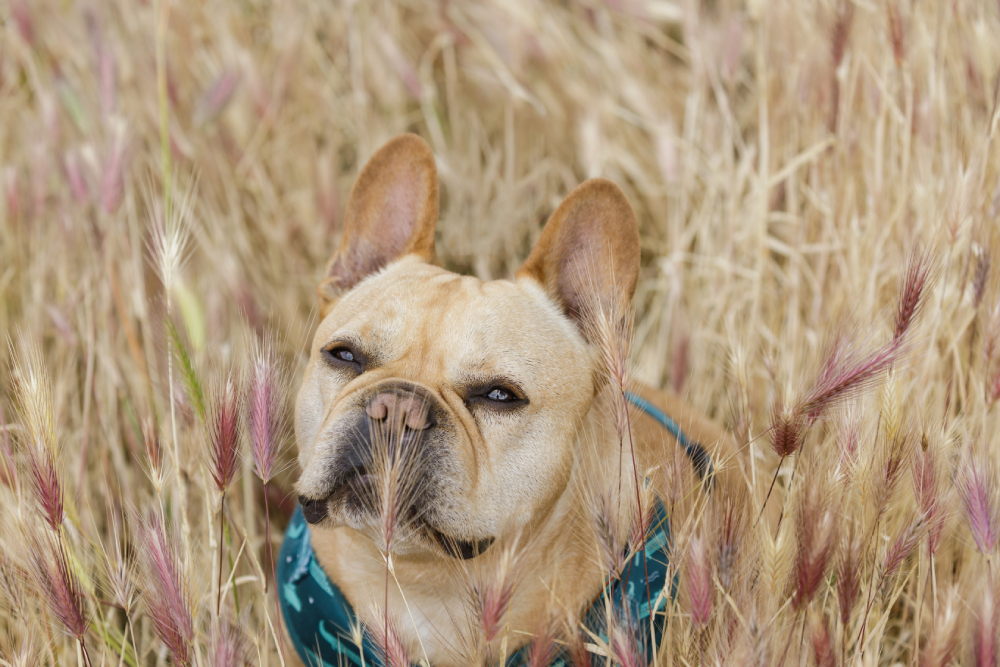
[325, 631]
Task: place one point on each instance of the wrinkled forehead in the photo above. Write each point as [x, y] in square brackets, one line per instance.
[430, 319]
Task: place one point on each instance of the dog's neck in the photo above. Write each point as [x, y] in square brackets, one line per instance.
[437, 616]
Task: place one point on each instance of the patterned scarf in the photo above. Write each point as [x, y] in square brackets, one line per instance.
[326, 633]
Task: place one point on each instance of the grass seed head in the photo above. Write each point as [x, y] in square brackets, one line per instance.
[902, 547]
[849, 562]
[154, 453]
[624, 647]
[46, 487]
[824, 652]
[384, 632]
[543, 646]
[916, 281]
[731, 527]
[168, 603]
[606, 522]
[265, 423]
[979, 501]
[229, 645]
[35, 411]
[119, 571]
[816, 533]
[57, 582]
[493, 593]
[223, 432]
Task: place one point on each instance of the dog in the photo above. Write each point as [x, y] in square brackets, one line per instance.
[494, 396]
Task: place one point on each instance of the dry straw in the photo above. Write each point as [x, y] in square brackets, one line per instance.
[816, 185]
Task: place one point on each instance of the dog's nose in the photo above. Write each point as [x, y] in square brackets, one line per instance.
[399, 408]
[314, 511]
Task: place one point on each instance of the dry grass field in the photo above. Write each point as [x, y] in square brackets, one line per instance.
[818, 191]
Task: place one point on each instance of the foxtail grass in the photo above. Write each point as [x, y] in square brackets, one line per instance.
[816, 192]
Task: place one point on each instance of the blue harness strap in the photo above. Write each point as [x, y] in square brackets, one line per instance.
[700, 459]
[326, 633]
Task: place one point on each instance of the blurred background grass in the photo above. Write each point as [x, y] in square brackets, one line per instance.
[784, 158]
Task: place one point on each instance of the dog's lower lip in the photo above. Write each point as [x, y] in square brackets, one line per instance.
[464, 549]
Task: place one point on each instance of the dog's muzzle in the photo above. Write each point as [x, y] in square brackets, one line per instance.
[398, 429]
[398, 424]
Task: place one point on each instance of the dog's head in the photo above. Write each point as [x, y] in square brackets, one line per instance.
[438, 410]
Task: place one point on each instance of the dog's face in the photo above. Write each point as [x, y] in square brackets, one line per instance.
[439, 411]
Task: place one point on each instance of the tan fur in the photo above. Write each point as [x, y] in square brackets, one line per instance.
[524, 476]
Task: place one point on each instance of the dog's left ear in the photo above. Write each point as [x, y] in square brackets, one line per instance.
[392, 211]
[588, 251]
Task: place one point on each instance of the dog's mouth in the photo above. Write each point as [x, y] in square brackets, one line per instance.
[456, 548]
[358, 495]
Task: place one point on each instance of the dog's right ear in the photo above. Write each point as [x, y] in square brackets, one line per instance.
[392, 212]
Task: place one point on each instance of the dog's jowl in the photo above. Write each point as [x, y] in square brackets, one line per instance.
[462, 429]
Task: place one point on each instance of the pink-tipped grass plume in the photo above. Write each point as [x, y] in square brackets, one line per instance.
[229, 645]
[45, 485]
[387, 639]
[223, 434]
[913, 289]
[265, 427]
[493, 591]
[35, 410]
[168, 602]
[608, 532]
[822, 643]
[847, 371]
[731, 533]
[848, 571]
[59, 587]
[265, 423]
[223, 453]
[979, 501]
[622, 645]
[901, 548]
[927, 491]
[816, 533]
[543, 646]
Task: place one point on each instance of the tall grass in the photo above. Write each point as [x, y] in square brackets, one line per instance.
[818, 191]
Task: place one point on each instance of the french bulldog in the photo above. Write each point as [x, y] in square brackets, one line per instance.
[491, 397]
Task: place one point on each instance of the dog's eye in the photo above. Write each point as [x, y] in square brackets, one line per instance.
[495, 396]
[341, 355]
[500, 395]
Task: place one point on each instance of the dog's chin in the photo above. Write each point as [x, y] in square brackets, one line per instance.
[354, 504]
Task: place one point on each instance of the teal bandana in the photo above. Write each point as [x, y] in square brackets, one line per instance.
[323, 628]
